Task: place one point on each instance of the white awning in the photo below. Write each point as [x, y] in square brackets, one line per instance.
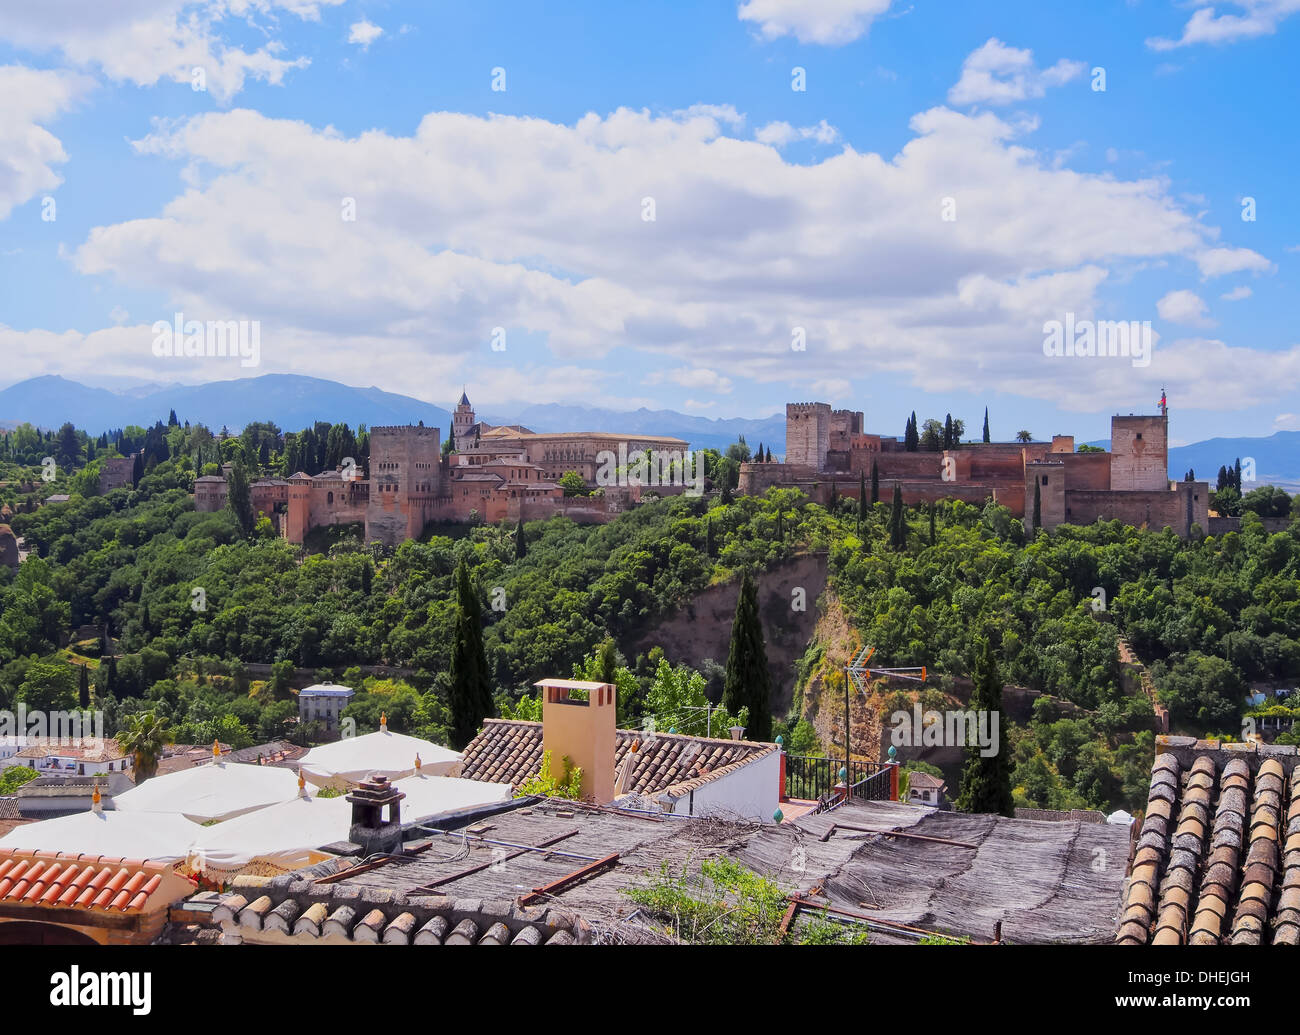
[120, 835]
[383, 753]
[214, 790]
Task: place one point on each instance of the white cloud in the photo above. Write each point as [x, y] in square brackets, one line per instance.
[998, 74]
[830, 22]
[699, 378]
[1185, 307]
[1251, 18]
[778, 134]
[145, 41]
[1286, 422]
[547, 240]
[364, 33]
[28, 151]
[1216, 262]
[1237, 294]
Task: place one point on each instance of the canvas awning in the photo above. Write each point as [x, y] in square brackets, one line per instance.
[122, 835]
[214, 790]
[382, 753]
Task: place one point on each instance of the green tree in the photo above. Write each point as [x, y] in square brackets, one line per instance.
[986, 781]
[521, 542]
[898, 521]
[748, 683]
[572, 484]
[470, 694]
[986, 425]
[1038, 506]
[875, 483]
[238, 496]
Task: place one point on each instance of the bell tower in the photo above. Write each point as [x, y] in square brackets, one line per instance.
[462, 423]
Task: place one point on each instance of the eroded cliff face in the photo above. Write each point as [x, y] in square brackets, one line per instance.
[788, 596]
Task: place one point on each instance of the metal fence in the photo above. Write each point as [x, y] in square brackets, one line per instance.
[809, 778]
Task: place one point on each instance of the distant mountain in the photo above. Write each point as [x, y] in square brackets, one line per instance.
[294, 401]
[291, 400]
[700, 432]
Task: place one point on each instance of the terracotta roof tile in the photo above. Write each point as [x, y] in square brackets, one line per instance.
[67, 882]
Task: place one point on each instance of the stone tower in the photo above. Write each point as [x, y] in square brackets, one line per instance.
[1139, 453]
[807, 434]
[462, 423]
[405, 479]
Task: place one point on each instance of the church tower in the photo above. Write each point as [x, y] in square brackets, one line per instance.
[462, 424]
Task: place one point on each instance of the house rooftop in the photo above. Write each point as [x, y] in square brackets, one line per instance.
[510, 751]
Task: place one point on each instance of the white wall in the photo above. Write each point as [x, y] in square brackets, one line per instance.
[750, 792]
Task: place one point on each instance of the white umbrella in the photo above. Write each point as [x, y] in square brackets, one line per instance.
[381, 754]
[288, 835]
[119, 835]
[214, 790]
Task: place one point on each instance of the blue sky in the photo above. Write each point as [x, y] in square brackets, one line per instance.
[775, 209]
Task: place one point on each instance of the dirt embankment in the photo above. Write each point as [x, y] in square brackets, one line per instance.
[787, 604]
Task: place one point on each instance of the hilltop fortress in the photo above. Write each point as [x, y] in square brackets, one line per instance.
[495, 473]
[828, 454]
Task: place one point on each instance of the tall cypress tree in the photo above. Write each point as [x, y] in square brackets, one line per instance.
[710, 548]
[84, 691]
[986, 782]
[947, 432]
[862, 499]
[986, 425]
[932, 509]
[1038, 506]
[897, 521]
[239, 499]
[748, 682]
[875, 483]
[470, 697]
[521, 541]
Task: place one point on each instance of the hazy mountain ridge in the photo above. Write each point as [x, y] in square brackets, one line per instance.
[296, 401]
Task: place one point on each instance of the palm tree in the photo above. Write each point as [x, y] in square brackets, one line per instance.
[144, 737]
[1024, 436]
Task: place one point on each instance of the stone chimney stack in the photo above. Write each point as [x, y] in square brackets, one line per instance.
[369, 829]
[578, 721]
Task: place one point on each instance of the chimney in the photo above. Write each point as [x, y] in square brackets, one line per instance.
[737, 732]
[376, 835]
[578, 721]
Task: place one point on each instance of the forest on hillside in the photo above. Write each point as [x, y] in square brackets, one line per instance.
[1209, 616]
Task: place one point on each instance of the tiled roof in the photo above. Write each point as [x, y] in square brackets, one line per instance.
[1218, 857]
[307, 911]
[925, 781]
[78, 881]
[9, 808]
[510, 751]
[90, 750]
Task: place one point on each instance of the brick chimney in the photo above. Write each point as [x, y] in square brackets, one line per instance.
[369, 829]
[578, 721]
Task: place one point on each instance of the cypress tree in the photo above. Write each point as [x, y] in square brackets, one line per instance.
[710, 548]
[947, 432]
[986, 782]
[875, 484]
[748, 682]
[932, 508]
[1236, 475]
[521, 542]
[137, 470]
[897, 521]
[862, 497]
[239, 499]
[470, 696]
[986, 425]
[606, 661]
[1038, 506]
[83, 696]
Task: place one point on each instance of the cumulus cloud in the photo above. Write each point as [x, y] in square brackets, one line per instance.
[145, 41]
[830, 22]
[998, 74]
[1237, 294]
[1286, 422]
[1247, 20]
[32, 97]
[1184, 307]
[549, 239]
[1216, 262]
[778, 134]
[364, 33]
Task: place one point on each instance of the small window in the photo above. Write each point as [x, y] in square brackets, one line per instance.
[1044, 479]
[1139, 436]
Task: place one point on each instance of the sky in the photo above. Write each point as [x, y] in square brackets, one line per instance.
[713, 207]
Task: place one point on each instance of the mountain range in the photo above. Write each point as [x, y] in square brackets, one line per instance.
[295, 401]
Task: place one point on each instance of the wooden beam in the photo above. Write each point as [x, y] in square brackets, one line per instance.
[434, 884]
[895, 833]
[557, 886]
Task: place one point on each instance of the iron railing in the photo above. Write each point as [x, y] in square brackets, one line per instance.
[809, 778]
